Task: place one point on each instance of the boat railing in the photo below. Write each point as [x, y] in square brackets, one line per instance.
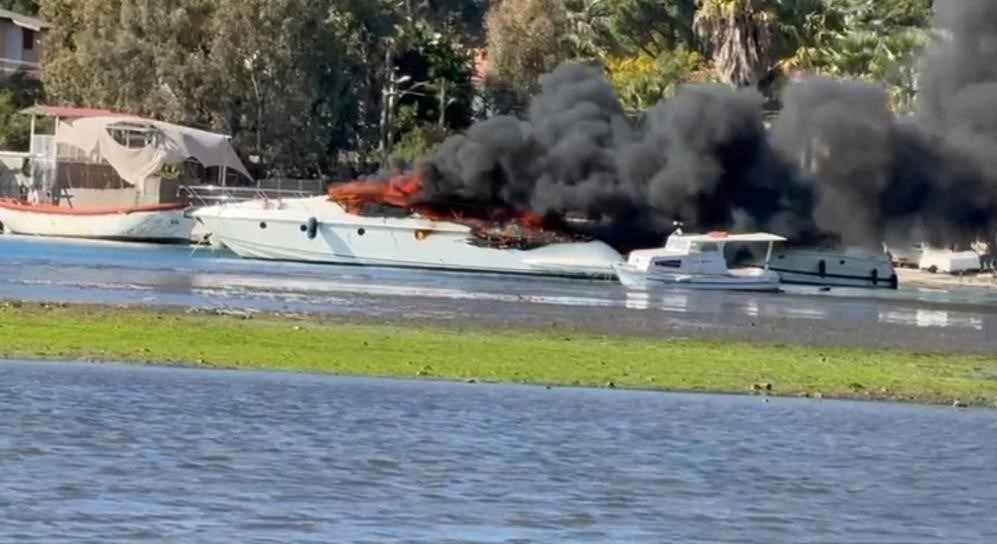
[209, 195]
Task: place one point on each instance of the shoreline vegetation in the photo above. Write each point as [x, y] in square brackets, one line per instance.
[326, 344]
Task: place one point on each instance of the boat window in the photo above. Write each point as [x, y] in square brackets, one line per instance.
[361, 231]
[673, 263]
[133, 136]
[263, 225]
[704, 247]
[677, 245]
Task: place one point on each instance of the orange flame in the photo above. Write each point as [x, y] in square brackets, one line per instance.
[405, 191]
[401, 191]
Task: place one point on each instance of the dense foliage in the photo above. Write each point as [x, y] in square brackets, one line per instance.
[304, 84]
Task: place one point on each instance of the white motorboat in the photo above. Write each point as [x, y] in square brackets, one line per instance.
[696, 261]
[318, 229]
[850, 267]
[151, 223]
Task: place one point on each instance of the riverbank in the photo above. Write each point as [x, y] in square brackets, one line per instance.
[316, 343]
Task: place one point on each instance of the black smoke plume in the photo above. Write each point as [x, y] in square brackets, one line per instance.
[836, 164]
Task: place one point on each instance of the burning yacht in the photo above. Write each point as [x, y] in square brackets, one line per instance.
[384, 223]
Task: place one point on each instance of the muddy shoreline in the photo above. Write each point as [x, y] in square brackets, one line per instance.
[690, 324]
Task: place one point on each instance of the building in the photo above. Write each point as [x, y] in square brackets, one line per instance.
[20, 43]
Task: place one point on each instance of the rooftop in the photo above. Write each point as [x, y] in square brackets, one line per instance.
[25, 21]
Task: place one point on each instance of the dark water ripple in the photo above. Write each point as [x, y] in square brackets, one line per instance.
[128, 454]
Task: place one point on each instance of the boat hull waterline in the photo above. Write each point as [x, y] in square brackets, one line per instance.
[318, 230]
[165, 224]
[633, 278]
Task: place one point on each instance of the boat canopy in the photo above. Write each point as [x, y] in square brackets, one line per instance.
[158, 144]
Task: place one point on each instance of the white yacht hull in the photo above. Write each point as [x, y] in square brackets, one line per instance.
[319, 230]
[750, 280]
[839, 269]
[137, 224]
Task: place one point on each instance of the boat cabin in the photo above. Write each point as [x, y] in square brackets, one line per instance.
[86, 158]
[696, 253]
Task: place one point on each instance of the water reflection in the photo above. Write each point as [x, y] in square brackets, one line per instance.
[638, 300]
[677, 302]
[931, 318]
[45, 269]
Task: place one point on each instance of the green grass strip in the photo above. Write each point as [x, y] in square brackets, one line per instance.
[315, 344]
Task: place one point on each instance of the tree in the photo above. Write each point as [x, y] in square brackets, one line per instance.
[439, 69]
[653, 27]
[642, 80]
[283, 77]
[465, 17]
[97, 54]
[654, 50]
[739, 37]
[589, 34]
[525, 40]
[875, 40]
[26, 7]
[417, 143]
[14, 127]
[287, 80]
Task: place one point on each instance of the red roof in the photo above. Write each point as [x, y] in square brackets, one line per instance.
[70, 112]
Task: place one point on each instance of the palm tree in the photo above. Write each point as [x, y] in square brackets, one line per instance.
[739, 36]
[654, 27]
[875, 40]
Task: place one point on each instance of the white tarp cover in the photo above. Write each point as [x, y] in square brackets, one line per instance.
[171, 144]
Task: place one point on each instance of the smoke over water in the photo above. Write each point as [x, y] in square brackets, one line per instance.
[836, 164]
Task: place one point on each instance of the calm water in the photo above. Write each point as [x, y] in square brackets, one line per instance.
[127, 454]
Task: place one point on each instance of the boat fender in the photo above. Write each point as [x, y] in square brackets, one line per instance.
[312, 230]
[875, 277]
[894, 281]
[822, 268]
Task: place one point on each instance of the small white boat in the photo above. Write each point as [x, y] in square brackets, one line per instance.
[849, 267]
[165, 223]
[696, 261]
